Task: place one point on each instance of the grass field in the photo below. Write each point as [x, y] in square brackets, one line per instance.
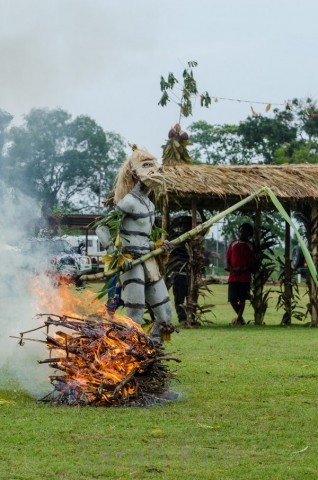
[247, 410]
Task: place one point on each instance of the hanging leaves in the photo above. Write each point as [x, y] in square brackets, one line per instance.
[164, 99]
[205, 100]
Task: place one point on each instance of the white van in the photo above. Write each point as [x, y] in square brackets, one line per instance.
[95, 250]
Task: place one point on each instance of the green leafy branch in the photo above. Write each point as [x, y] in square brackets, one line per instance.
[189, 91]
[157, 233]
[113, 220]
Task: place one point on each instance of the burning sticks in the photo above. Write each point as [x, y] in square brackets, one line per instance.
[103, 362]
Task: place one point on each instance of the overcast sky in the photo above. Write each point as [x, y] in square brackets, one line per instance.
[104, 58]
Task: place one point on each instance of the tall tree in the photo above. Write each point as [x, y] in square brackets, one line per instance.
[262, 136]
[60, 161]
[304, 148]
[290, 135]
[218, 144]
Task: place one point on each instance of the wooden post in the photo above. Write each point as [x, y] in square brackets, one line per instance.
[287, 283]
[194, 212]
[165, 216]
[193, 287]
[257, 286]
[313, 246]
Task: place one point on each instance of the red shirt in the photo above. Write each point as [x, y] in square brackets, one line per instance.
[240, 254]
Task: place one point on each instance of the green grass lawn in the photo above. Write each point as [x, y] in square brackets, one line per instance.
[247, 410]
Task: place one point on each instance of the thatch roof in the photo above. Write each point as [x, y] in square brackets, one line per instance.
[216, 187]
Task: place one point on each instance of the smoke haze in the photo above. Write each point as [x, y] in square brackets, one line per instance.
[18, 302]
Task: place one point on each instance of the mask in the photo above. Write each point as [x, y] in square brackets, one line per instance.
[147, 171]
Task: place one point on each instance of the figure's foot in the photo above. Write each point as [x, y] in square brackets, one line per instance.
[161, 332]
[157, 342]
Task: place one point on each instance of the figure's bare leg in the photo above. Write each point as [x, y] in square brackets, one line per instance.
[133, 293]
[157, 297]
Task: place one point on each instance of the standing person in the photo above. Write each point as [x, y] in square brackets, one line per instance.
[184, 270]
[179, 261]
[143, 284]
[240, 259]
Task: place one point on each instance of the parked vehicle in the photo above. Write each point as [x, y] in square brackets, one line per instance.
[55, 257]
[94, 247]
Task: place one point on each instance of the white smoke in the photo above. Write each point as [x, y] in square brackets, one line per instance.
[18, 302]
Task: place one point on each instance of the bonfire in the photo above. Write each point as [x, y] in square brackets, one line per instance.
[102, 360]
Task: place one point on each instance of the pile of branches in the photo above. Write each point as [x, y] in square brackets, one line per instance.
[104, 363]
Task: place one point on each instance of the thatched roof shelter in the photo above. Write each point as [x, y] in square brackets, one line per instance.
[207, 187]
[216, 187]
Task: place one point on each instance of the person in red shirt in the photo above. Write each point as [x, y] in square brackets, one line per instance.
[240, 259]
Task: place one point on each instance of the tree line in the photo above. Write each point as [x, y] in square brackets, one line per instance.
[66, 164]
[289, 135]
[70, 164]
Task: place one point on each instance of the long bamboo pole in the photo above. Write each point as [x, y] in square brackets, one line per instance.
[206, 225]
[177, 241]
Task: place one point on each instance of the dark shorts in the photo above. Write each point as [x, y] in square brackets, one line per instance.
[238, 291]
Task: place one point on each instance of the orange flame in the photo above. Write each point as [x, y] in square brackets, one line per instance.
[96, 351]
[64, 299]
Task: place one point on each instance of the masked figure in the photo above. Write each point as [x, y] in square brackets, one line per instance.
[143, 284]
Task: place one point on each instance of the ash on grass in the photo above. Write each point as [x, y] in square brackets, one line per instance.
[102, 362]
